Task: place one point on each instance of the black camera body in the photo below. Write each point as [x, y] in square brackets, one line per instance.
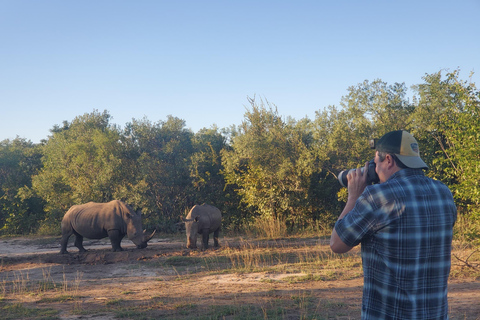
[372, 176]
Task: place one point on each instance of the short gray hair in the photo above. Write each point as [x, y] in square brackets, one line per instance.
[383, 155]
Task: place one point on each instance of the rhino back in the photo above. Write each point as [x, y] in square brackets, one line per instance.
[93, 220]
[208, 216]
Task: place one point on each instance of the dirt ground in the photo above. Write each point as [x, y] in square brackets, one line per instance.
[140, 277]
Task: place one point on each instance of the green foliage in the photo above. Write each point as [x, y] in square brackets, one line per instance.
[341, 136]
[368, 111]
[205, 166]
[161, 156]
[267, 169]
[270, 163]
[81, 163]
[20, 210]
[447, 120]
[208, 183]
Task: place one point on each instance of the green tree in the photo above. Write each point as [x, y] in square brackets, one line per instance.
[81, 163]
[206, 165]
[447, 120]
[20, 211]
[270, 163]
[209, 185]
[342, 135]
[162, 151]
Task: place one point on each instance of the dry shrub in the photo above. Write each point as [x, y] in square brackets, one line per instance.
[467, 228]
[269, 227]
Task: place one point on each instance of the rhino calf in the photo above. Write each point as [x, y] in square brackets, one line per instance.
[114, 219]
[203, 219]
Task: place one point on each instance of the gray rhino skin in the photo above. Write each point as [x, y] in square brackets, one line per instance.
[203, 219]
[114, 219]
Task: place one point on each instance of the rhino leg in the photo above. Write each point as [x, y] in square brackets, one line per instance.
[79, 242]
[115, 238]
[67, 231]
[205, 237]
[64, 243]
[215, 238]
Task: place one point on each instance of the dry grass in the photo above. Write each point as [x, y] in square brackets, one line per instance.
[288, 278]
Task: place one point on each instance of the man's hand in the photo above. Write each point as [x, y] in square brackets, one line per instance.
[357, 182]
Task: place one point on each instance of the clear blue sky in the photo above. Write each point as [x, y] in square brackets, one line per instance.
[199, 60]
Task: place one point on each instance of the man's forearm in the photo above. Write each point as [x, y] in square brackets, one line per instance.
[348, 207]
[356, 185]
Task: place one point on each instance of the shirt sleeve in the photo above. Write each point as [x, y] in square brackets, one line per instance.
[358, 223]
[369, 215]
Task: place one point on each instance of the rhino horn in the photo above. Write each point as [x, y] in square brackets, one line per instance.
[148, 238]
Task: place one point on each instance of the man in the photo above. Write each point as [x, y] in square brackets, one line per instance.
[405, 225]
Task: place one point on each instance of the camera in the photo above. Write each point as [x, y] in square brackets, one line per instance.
[372, 176]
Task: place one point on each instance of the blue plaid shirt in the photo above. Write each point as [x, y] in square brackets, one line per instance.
[405, 228]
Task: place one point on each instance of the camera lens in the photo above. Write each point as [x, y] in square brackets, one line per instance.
[372, 176]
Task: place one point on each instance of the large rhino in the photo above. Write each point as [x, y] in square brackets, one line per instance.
[114, 219]
[203, 219]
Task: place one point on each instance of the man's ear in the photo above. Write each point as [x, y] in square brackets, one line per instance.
[390, 160]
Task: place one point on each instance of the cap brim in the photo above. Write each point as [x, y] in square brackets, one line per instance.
[412, 162]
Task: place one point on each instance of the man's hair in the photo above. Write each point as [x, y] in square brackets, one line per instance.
[383, 155]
